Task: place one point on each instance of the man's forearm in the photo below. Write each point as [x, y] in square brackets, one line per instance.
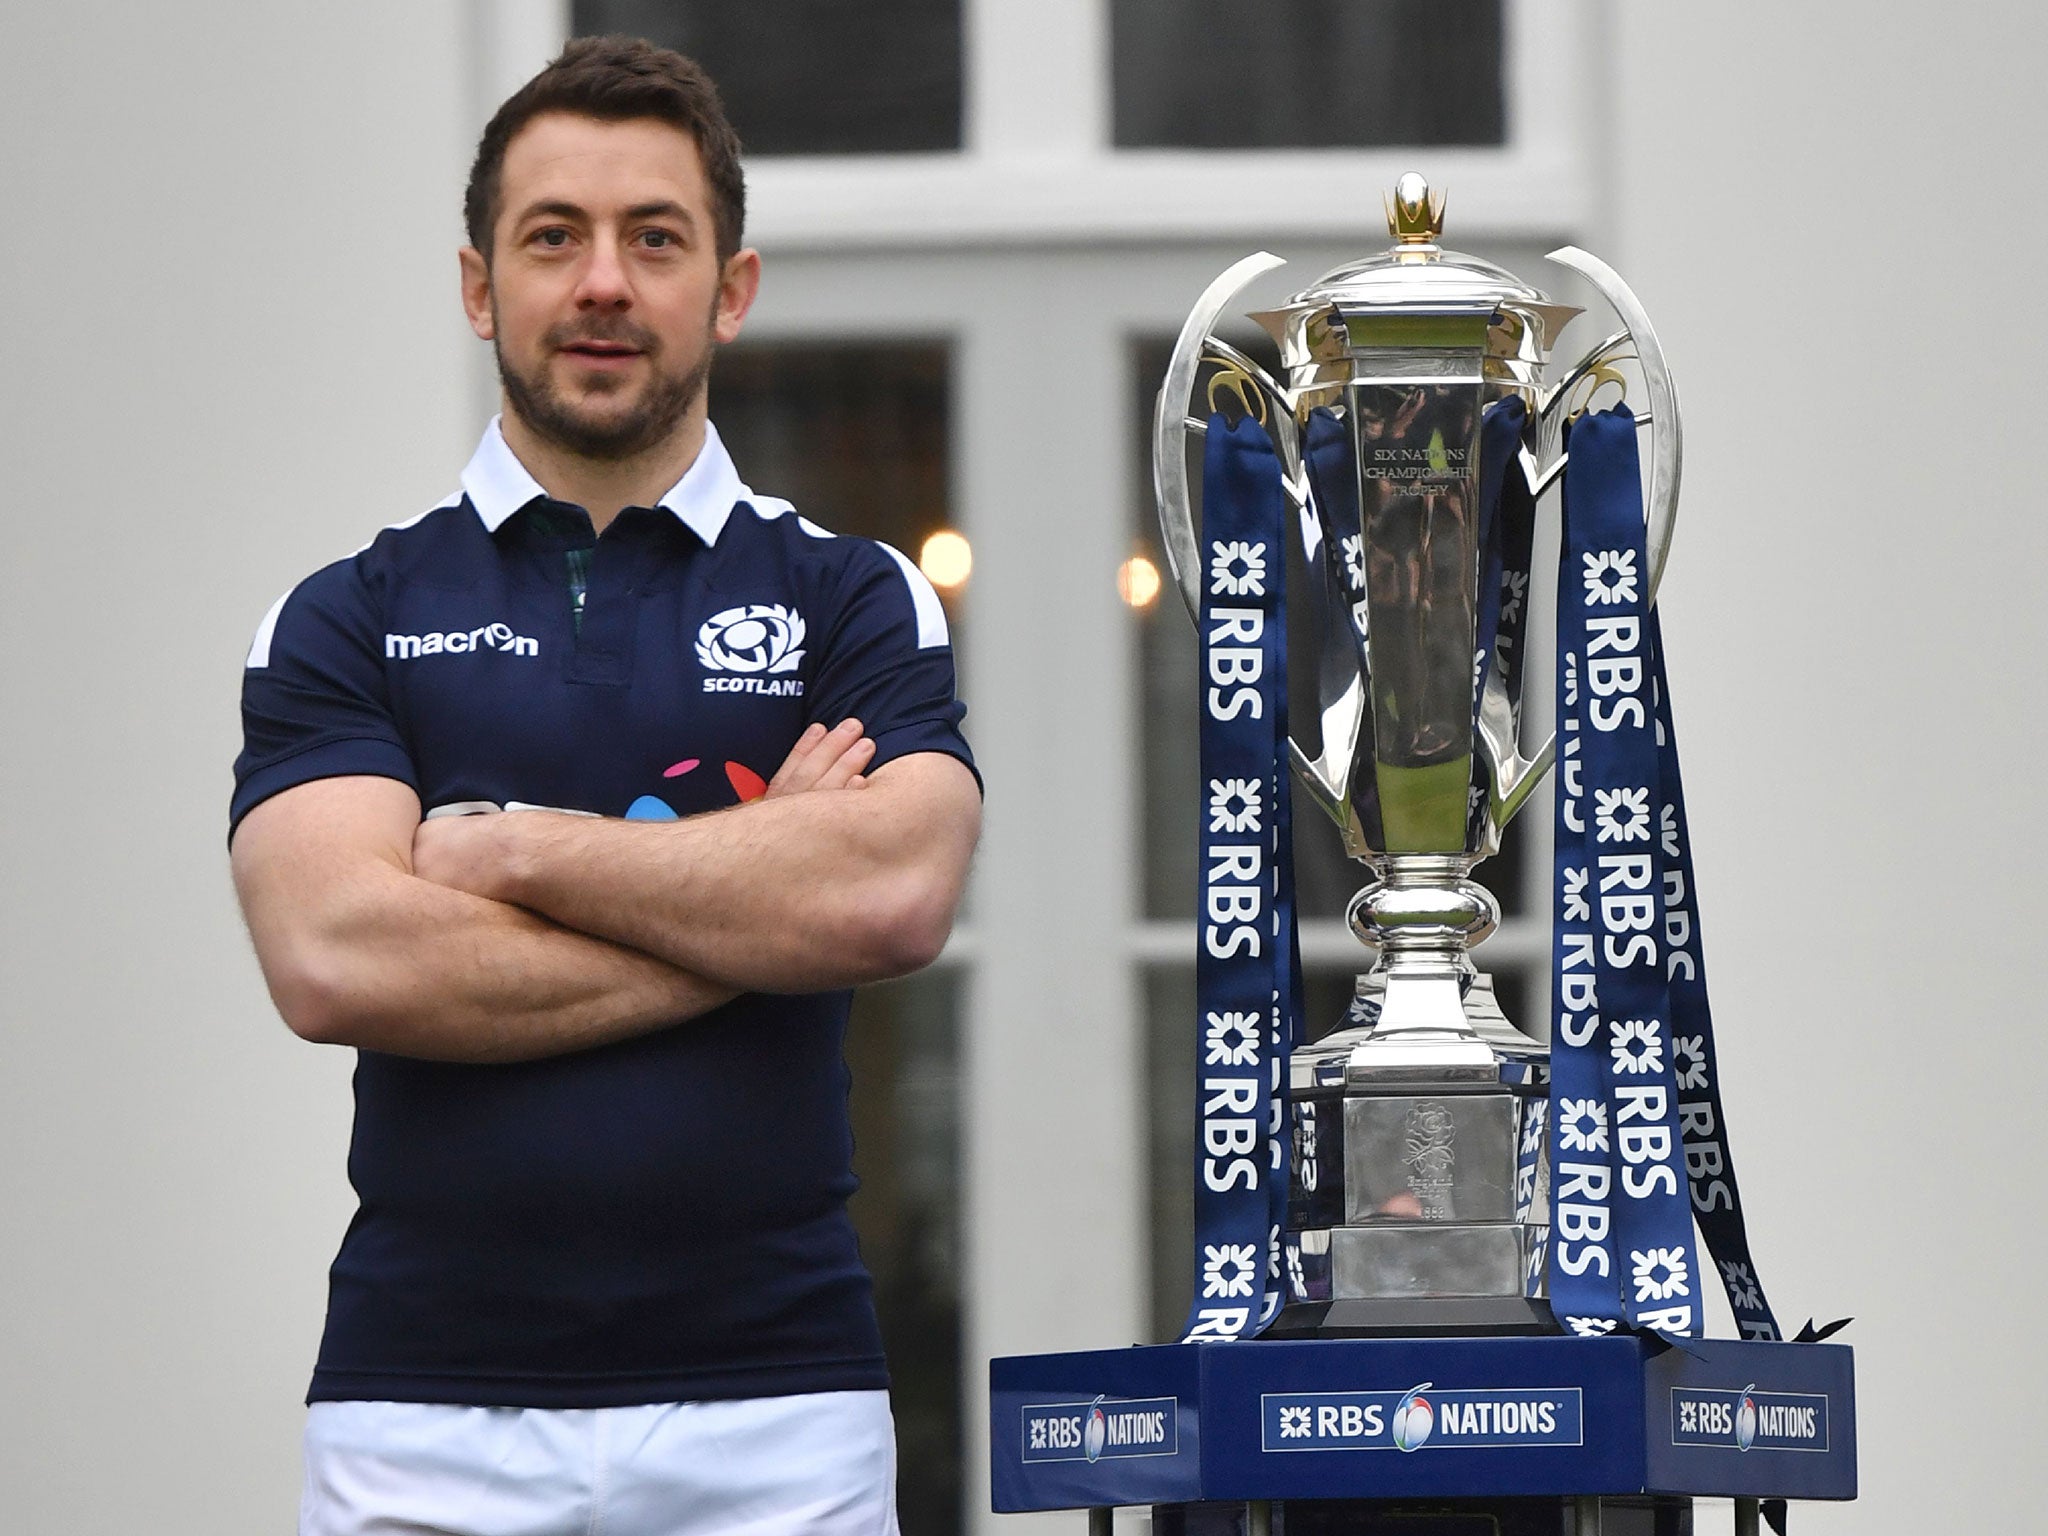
[358, 950]
[800, 893]
[443, 975]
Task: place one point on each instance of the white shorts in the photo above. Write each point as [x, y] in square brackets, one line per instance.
[822, 1464]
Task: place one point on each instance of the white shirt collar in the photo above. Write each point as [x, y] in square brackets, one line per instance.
[498, 485]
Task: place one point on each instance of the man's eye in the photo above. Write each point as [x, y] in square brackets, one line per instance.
[659, 239]
[553, 239]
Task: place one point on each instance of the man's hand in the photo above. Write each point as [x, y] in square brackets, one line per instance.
[823, 759]
[475, 853]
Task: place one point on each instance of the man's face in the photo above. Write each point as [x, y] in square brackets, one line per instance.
[604, 297]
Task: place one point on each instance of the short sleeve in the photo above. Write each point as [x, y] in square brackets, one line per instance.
[888, 661]
[315, 704]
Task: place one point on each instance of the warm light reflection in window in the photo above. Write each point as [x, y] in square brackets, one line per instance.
[946, 559]
[1137, 582]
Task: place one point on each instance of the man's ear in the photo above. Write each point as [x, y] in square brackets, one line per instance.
[738, 286]
[476, 292]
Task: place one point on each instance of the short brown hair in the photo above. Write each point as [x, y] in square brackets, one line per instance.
[614, 79]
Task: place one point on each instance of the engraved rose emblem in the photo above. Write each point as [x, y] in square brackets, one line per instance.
[1431, 1133]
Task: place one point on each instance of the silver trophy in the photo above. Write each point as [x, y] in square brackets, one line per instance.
[1415, 1206]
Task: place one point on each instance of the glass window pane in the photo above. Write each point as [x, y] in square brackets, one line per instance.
[846, 78]
[857, 436]
[902, 1049]
[1217, 74]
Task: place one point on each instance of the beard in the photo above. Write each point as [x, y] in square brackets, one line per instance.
[595, 427]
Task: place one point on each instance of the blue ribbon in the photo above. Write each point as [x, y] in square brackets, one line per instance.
[1247, 969]
[1635, 1117]
[1634, 1123]
[1710, 1170]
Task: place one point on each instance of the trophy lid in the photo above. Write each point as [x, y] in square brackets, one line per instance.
[1417, 276]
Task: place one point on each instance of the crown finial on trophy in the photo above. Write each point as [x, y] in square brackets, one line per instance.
[1415, 214]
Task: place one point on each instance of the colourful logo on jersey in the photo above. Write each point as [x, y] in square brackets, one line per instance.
[746, 783]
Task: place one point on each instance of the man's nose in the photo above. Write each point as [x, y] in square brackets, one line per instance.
[604, 283]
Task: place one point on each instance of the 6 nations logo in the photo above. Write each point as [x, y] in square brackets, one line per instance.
[1108, 1426]
[752, 646]
[1749, 1419]
[1423, 1417]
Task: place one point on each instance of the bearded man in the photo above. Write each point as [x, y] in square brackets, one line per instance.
[575, 806]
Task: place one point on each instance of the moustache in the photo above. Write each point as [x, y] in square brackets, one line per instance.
[619, 332]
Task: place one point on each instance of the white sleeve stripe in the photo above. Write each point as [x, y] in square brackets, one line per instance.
[931, 613]
[454, 500]
[259, 649]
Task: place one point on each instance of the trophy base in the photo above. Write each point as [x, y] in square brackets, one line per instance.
[1615, 1430]
[1409, 1317]
[1434, 1260]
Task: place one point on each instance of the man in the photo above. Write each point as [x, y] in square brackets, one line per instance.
[602, 1275]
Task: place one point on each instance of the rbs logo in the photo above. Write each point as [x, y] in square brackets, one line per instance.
[1105, 1427]
[1421, 1418]
[1749, 1419]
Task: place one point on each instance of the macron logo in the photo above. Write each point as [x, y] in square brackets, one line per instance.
[490, 637]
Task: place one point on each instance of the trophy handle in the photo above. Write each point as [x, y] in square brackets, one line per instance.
[1171, 422]
[1515, 777]
[1325, 778]
[1667, 438]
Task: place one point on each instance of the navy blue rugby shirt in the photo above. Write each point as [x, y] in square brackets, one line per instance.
[661, 1219]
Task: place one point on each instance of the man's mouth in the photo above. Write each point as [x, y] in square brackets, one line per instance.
[601, 351]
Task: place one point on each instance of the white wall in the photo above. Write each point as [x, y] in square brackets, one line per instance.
[231, 351]
[1834, 214]
[231, 347]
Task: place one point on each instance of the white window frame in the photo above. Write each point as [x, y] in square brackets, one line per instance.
[1038, 165]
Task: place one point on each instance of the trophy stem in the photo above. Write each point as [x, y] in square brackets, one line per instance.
[1423, 915]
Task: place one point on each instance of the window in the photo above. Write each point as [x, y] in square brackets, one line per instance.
[856, 435]
[1303, 74]
[813, 77]
[902, 1048]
